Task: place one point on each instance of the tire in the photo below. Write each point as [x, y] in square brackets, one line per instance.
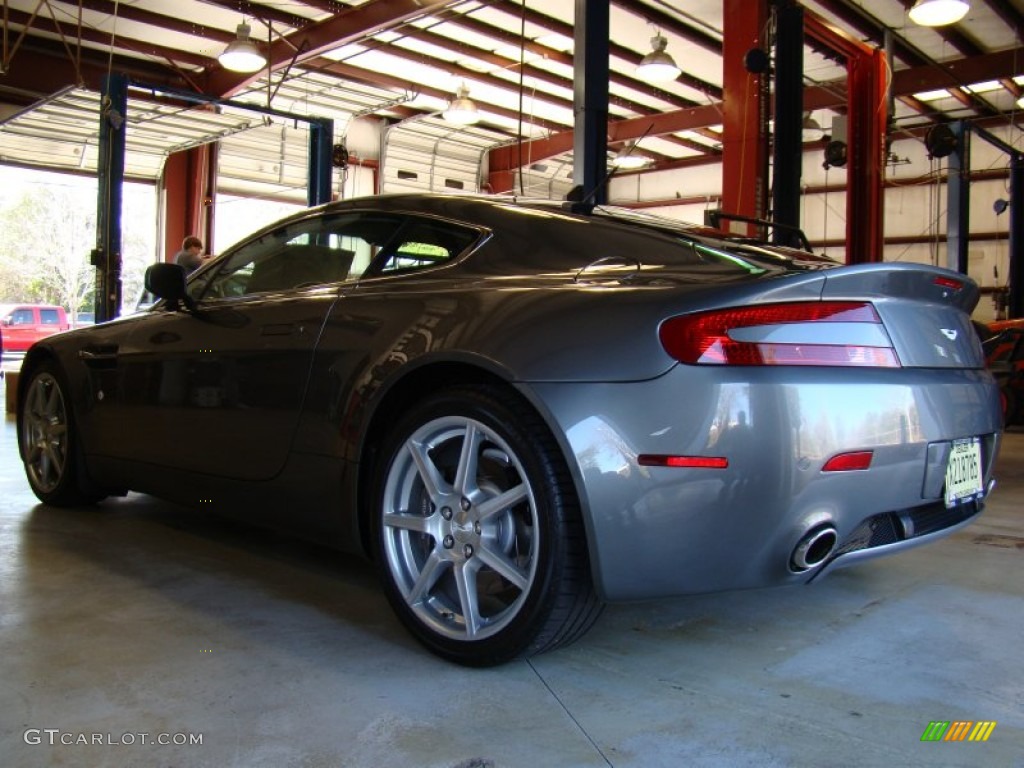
[48, 440]
[477, 531]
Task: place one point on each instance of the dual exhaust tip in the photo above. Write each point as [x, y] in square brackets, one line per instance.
[814, 549]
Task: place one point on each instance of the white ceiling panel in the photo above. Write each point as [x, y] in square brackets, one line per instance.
[409, 67]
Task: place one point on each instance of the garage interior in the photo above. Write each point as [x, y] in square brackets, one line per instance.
[142, 617]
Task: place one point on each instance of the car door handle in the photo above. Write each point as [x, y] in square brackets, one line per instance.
[101, 354]
[104, 352]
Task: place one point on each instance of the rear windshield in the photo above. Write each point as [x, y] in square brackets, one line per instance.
[749, 251]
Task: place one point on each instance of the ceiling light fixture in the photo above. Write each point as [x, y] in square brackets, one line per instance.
[657, 66]
[628, 160]
[938, 13]
[461, 110]
[242, 54]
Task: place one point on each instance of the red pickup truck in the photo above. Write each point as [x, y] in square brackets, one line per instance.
[22, 325]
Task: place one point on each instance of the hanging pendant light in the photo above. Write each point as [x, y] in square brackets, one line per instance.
[938, 13]
[242, 54]
[461, 110]
[657, 66]
[627, 159]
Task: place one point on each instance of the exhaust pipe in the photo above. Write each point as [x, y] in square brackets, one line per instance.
[814, 548]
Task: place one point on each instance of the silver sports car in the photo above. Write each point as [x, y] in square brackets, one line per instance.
[522, 410]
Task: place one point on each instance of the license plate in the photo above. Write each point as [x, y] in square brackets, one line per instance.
[963, 473]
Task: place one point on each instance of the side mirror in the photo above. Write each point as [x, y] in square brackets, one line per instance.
[167, 282]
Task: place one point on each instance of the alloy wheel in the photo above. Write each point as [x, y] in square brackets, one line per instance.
[46, 438]
[460, 528]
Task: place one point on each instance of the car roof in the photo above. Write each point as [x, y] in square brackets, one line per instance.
[487, 209]
[463, 204]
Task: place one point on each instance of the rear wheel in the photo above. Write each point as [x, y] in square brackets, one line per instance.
[477, 530]
[49, 442]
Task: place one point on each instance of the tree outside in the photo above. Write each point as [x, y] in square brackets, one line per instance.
[49, 223]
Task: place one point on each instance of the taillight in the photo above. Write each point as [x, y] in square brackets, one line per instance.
[831, 333]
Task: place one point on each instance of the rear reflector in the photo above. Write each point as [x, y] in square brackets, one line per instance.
[695, 462]
[704, 338]
[849, 462]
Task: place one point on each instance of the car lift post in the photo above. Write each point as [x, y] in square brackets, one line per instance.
[321, 145]
[789, 94]
[106, 257]
[590, 102]
[745, 107]
[958, 206]
[958, 199]
[1015, 303]
[867, 116]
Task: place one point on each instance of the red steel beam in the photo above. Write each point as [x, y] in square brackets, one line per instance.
[986, 66]
[41, 69]
[506, 158]
[47, 24]
[905, 82]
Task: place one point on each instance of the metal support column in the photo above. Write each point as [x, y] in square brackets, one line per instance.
[110, 177]
[207, 211]
[867, 124]
[958, 206]
[745, 110]
[321, 146]
[590, 101]
[189, 187]
[789, 105]
[958, 226]
[1015, 301]
[867, 119]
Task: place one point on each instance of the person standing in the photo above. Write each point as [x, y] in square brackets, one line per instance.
[190, 256]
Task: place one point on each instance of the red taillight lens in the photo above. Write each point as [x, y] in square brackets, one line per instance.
[849, 462]
[781, 334]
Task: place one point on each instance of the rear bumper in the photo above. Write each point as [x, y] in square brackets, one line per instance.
[888, 534]
[658, 531]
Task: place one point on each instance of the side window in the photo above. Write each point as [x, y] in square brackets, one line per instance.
[49, 317]
[22, 317]
[426, 243]
[302, 254]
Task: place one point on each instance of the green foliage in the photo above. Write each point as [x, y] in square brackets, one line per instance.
[49, 228]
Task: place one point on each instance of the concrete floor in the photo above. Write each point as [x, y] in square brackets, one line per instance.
[138, 620]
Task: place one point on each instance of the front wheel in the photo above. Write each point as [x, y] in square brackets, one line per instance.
[48, 441]
[477, 530]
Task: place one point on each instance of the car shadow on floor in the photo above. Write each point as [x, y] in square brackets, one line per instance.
[203, 562]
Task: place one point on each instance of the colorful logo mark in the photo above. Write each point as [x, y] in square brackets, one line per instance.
[958, 730]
